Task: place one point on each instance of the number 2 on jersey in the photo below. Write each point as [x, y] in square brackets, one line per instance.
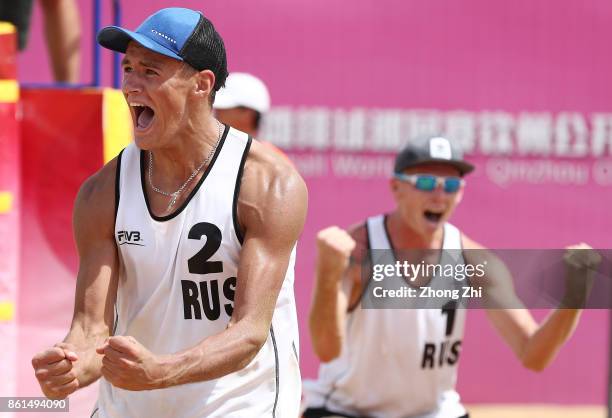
[206, 295]
[199, 264]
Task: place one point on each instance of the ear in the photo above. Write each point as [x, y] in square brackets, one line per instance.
[459, 196]
[394, 187]
[205, 83]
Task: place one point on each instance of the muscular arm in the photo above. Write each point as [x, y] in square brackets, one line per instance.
[272, 209]
[535, 345]
[73, 363]
[96, 289]
[337, 287]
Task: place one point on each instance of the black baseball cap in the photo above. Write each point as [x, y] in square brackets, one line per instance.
[432, 149]
[179, 33]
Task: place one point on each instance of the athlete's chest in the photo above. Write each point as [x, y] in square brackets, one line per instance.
[193, 257]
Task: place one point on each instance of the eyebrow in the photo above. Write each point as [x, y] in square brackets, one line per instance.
[145, 63]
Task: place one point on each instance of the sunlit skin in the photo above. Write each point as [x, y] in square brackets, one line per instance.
[415, 230]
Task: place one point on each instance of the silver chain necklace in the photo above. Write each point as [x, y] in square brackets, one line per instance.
[176, 194]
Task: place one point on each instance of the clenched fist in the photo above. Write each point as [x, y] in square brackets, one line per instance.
[582, 256]
[335, 246]
[582, 261]
[127, 364]
[54, 370]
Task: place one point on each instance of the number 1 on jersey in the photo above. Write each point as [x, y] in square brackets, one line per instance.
[450, 309]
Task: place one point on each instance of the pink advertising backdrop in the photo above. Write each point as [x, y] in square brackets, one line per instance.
[546, 57]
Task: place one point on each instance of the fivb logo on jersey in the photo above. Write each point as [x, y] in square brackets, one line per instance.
[130, 238]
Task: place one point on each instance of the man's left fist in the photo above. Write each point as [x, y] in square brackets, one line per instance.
[582, 256]
[127, 364]
[582, 262]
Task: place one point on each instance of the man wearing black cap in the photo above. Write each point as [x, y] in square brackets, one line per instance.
[184, 299]
[398, 363]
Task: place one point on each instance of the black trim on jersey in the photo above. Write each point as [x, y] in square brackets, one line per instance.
[117, 183]
[295, 351]
[388, 235]
[368, 248]
[237, 228]
[193, 192]
[276, 371]
[116, 320]
[94, 412]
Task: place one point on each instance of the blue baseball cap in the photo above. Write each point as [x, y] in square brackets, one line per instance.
[179, 33]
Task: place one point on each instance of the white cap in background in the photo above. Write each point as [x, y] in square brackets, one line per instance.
[242, 89]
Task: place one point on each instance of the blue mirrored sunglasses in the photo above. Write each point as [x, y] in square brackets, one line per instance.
[428, 183]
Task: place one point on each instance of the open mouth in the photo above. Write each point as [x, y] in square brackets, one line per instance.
[144, 116]
[433, 216]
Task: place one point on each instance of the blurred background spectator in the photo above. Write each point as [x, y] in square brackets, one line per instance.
[242, 102]
[62, 29]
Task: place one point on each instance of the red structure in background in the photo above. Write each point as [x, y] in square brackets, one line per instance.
[8, 52]
[62, 144]
[9, 209]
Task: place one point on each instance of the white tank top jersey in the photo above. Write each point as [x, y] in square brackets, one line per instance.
[395, 363]
[176, 287]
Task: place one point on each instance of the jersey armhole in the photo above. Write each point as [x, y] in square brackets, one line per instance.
[237, 227]
[352, 307]
[118, 184]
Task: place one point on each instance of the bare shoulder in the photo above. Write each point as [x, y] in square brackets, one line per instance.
[94, 207]
[271, 190]
[262, 161]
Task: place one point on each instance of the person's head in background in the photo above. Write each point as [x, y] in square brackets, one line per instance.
[427, 183]
[242, 102]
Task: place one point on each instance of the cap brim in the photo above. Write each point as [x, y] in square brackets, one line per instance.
[117, 39]
[463, 166]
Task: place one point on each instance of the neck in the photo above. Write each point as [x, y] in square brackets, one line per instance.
[175, 162]
[404, 236]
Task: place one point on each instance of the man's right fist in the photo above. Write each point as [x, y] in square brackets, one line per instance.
[335, 246]
[54, 370]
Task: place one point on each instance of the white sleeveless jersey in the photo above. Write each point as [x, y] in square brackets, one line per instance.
[395, 363]
[176, 287]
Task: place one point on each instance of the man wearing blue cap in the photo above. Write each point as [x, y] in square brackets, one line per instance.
[399, 363]
[184, 300]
